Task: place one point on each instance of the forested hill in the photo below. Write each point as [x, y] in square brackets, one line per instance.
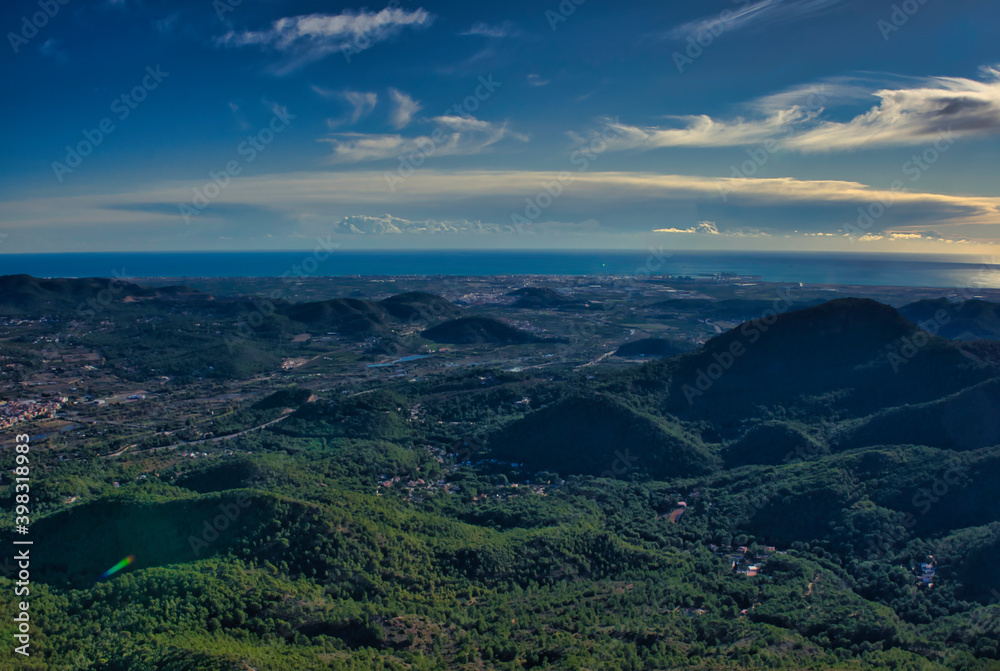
[818, 489]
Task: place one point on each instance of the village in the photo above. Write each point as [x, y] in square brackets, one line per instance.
[15, 412]
[743, 559]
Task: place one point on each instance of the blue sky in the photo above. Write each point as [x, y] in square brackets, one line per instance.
[835, 125]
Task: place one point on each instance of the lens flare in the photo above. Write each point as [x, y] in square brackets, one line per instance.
[117, 567]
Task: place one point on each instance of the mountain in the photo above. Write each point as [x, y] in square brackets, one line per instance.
[598, 435]
[965, 320]
[730, 309]
[963, 421]
[540, 298]
[653, 347]
[350, 316]
[479, 330]
[24, 293]
[847, 355]
[773, 442]
[550, 517]
[420, 305]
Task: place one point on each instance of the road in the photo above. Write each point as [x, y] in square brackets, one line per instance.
[598, 359]
[202, 441]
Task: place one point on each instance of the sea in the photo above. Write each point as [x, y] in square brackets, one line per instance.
[903, 270]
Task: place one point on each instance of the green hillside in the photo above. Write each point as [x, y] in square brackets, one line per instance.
[549, 517]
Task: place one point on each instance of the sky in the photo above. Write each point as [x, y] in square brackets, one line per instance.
[827, 125]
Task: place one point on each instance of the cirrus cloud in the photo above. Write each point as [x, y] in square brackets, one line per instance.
[308, 38]
[906, 115]
[454, 135]
[761, 13]
[404, 107]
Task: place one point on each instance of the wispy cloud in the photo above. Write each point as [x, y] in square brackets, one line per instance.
[704, 131]
[305, 39]
[964, 107]
[454, 135]
[165, 26]
[638, 201]
[360, 102]
[404, 107]
[505, 29]
[914, 115]
[51, 49]
[755, 14]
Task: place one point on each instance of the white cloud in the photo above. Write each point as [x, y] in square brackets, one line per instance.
[404, 108]
[386, 224]
[454, 135]
[361, 103]
[304, 39]
[536, 80]
[704, 131]
[389, 225]
[505, 29]
[360, 147]
[756, 14]
[918, 114]
[959, 106]
[710, 228]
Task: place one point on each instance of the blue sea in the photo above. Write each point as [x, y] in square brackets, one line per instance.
[964, 272]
